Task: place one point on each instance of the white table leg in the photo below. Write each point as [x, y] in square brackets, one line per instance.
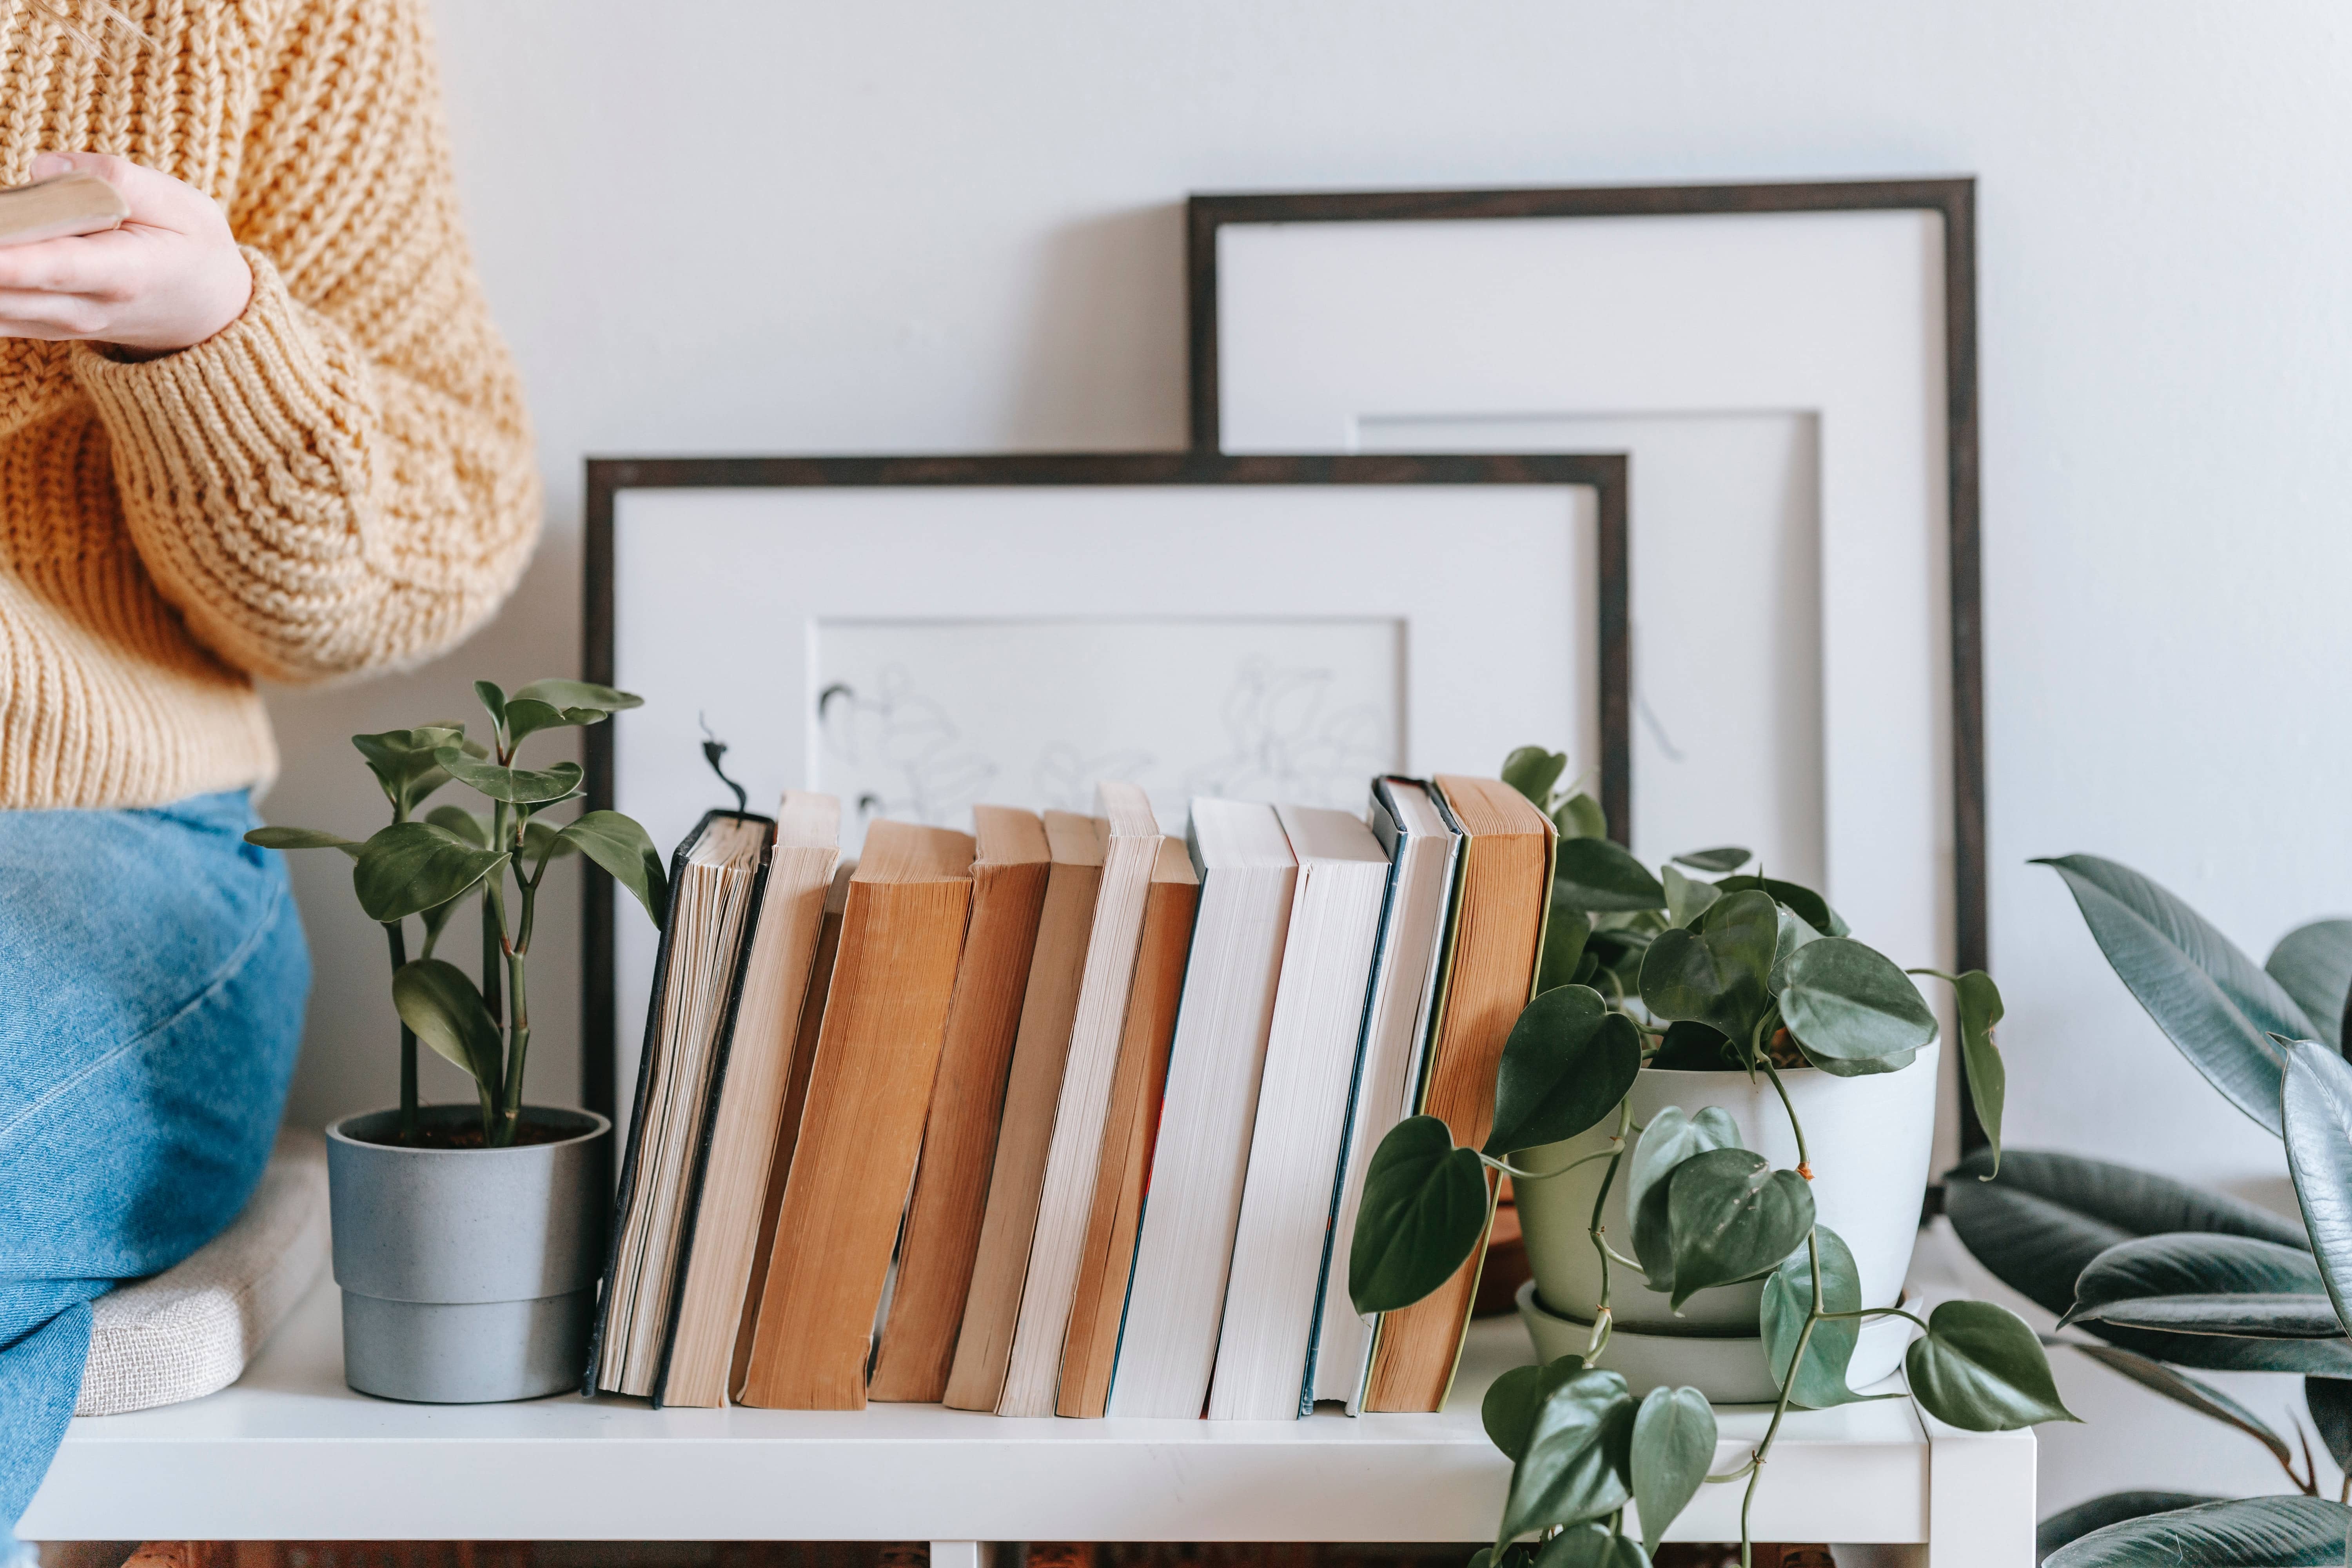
[1980, 1497]
[963, 1554]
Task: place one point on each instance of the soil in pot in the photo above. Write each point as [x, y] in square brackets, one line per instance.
[530, 1130]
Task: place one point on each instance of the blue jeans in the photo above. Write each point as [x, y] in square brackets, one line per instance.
[153, 975]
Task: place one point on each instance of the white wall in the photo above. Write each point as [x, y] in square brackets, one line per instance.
[885, 227]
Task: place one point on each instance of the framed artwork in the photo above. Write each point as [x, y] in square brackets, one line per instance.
[1791, 369]
[915, 635]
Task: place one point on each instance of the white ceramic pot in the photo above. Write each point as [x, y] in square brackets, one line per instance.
[1729, 1369]
[1870, 1139]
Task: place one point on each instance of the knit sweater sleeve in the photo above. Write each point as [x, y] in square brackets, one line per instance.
[343, 479]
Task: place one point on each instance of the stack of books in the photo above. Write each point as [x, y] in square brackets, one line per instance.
[1064, 1115]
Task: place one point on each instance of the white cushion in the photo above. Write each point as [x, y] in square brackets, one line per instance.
[189, 1331]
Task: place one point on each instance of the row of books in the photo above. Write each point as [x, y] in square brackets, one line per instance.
[1062, 1116]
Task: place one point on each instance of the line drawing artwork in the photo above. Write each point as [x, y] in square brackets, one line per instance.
[904, 750]
[1284, 748]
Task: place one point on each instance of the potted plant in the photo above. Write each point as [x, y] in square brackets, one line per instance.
[2171, 1281]
[1711, 1070]
[468, 1237]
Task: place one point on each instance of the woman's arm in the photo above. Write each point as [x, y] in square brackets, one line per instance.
[340, 478]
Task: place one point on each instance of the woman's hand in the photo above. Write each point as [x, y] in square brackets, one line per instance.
[168, 279]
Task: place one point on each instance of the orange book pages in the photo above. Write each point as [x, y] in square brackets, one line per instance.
[750, 1098]
[1050, 1003]
[1498, 931]
[788, 1124]
[877, 1051]
[942, 1236]
[1092, 1346]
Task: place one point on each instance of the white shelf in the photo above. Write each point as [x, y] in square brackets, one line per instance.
[291, 1454]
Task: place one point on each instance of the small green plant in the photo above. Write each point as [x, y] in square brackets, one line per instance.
[426, 867]
[1697, 967]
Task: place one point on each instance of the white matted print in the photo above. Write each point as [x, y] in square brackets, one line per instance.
[920, 719]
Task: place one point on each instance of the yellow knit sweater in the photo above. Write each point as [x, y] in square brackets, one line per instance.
[341, 480]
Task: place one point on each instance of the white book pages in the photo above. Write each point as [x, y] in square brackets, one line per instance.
[1184, 1243]
[1312, 1049]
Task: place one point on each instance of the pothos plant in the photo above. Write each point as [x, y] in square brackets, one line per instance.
[427, 868]
[2171, 1281]
[1699, 967]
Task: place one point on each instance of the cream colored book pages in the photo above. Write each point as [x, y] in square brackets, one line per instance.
[713, 902]
[1132, 848]
[752, 1098]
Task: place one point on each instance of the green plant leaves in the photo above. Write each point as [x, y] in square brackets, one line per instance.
[1596, 873]
[1508, 1411]
[1692, 1048]
[1532, 771]
[457, 820]
[518, 786]
[2313, 964]
[1589, 1546]
[1424, 1209]
[2199, 1283]
[619, 845]
[1674, 1444]
[1814, 908]
[525, 716]
[1566, 931]
[302, 838]
[2193, 1393]
[2246, 1532]
[1568, 1062]
[1714, 975]
[1848, 1002]
[1980, 1368]
[2208, 997]
[439, 1004]
[1978, 1001]
[1687, 898]
[1574, 1467]
[2072, 1523]
[570, 694]
[1580, 817]
[2317, 1112]
[1728, 857]
[1671, 1138]
[1789, 1301]
[411, 866]
[2329, 1400]
[1729, 1216]
[406, 763]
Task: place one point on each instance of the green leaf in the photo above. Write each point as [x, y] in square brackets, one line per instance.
[439, 1002]
[1847, 1003]
[494, 702]
[1589, 1546]
[543, 841]
[1671, 1138]
[1729, 1216]
[619, 845]
[1508, 1411]
[1568, 1062]
[2194, 1282]
[2313, 964]
[406, 763]
[1811, 906]
[1574, 1468]
[579, 694]
[1727, 858]
[2245, 1532]
[1518, 1554]
[527, 716]
[1580, 817]
[1532, 771]
[411, 866]
[1566, 931]
[2208, 997]
[519, 786]
[1795, 932]
[1978, 1001]
[1789, 1301]
[1674, 1444]
[2329, 1400]
[1423, 1212]
[1980, 1368]
[1596, 873]
[2193, 1393]
[1687, 898]
[302, 838]
[1691, 1046]
[2072, 1523]
[1714, 975]
[457, 819]
[2319, 1119]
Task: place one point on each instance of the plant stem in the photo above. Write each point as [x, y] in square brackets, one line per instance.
[1516, 1174]
[1788, 1388]
[1805, 1166]
[1602, 1320]
[397, 935]
[1875, 1313]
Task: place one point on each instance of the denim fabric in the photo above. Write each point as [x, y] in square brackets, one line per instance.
[153, 975]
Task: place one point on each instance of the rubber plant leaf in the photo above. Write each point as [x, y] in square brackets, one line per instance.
[2318, 1116]
[2073, 1523]
[2244, 1532]
[2194, 1282]
[2313, 964]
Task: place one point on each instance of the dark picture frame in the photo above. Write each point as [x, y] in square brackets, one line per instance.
[1952, 198]
[1604, 473]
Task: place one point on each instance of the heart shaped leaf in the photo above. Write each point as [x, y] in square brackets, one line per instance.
[1687, 898]
[1692, 1048]
[1566, 931]
[1810, 906]
[439, 1004]
[1714, 975]
[1508, 1411]
[2245, 1532]
[302, 838]
[2199, 1283]
[1575, 1465]
[1674, 1444]
[1728, 857]
[2208, 998]
[1596, 873]
[1580, 817]
[579, 694]
[619, 845]
[1789, 1301]
[1532, 771]
[2313, 964]
[1568, 1062]
[412, 866]
[1980, 1368]
[1848, 1002]
[1729, 1216]
[519, 786]
[1671, 1138]
[2318, 1118]
[1978, 1001]
[1423, 1212]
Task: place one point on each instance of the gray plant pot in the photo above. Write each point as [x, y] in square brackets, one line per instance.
[469, 1275]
